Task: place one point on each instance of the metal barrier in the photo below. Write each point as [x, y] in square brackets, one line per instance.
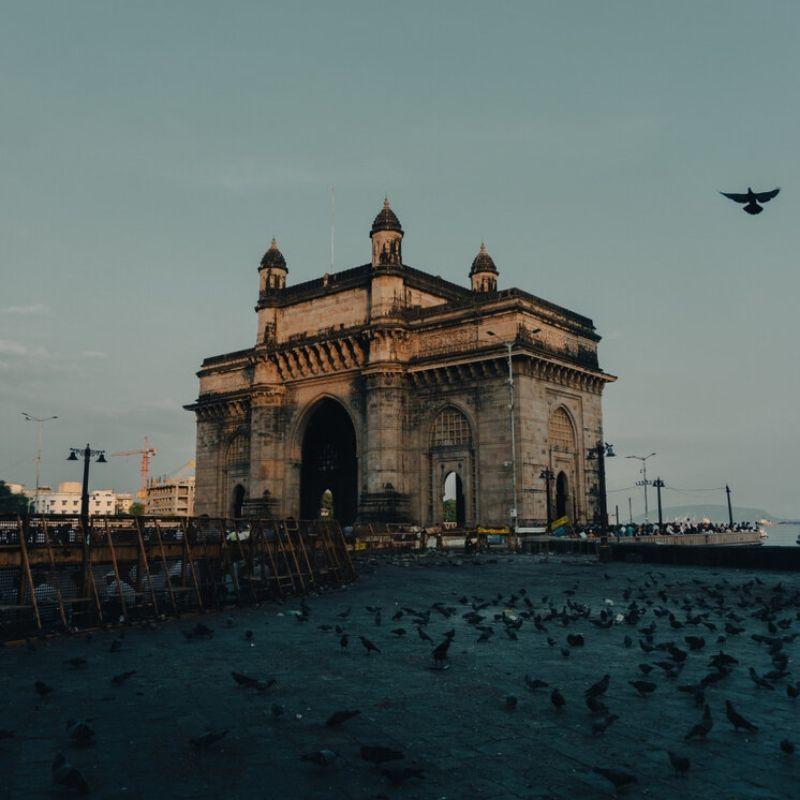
[56, 574]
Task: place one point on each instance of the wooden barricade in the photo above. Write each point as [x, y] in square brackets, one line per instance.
[57, 575]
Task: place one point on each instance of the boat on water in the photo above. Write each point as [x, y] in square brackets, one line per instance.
[762, 533]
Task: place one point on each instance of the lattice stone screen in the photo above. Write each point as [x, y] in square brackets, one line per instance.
[451, 428]
[560, 433]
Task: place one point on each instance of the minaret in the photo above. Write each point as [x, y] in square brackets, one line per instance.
[271, 279]
[483, 273]
[387, 236]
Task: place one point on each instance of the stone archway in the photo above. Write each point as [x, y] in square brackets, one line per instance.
[329, 462]
[453, 502]
[562, 496]
[237, 501]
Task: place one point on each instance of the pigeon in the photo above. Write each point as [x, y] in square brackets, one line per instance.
[277, 710]
[439, 653]
[596, 706]
[680, 764]
[42, 689]
[340, 717]
[368, 645]
[557, 699]
[252, 683]
[344, 641]
[645, 669]
[575, 640]
[207, 739]
[511, 703]
[424, 636]
[758, 680]
[322, 758]
[397, 776]
[80, 733]
[64, 774]
[751, 199]
[599, 688]
[792, 690]
[534, 683]
[618, 778]
[118, 680]
[643, 688]
[344, 614]
[601, 726]
[376, 754]
[703, 728]
[737, 720]
[787, 746]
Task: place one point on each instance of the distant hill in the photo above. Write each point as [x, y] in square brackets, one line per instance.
[716, 513]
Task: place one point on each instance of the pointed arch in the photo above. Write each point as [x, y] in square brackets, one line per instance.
[561, 431]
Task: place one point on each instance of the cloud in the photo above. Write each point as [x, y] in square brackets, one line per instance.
[24, 311]
[11, 347]
[94, 354]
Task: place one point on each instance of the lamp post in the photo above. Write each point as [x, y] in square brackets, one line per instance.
[87, 454]
[644, 482]
[659, 484]
[601, 451]
[547, 475]
[40, 421]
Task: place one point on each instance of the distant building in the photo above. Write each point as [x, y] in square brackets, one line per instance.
[124, 503]
[170, 497]
[67, 500]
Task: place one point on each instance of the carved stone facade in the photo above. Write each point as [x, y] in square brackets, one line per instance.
[378, 382]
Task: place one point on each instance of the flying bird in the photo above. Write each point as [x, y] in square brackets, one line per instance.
[751, 199]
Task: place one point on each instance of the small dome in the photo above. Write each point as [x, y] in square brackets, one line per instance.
[273, 257]
[386, 220]
[483, 262]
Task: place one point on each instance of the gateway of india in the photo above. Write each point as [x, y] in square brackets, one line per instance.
[376, 385]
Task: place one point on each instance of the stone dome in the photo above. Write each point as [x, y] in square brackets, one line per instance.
[273, 257]
[386, 220]
[483, 262]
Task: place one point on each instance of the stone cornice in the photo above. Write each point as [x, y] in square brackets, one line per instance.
[223, 405]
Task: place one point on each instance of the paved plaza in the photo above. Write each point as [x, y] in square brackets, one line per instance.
[454, 724]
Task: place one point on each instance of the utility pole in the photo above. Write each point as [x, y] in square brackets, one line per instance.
[40, 421]
[547, 475]
[616, 513]
[659, 484]
[630, 510]
[730, 508]
[87, 453]
[644, 482]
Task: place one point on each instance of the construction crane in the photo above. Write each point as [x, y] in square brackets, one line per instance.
[145, 454]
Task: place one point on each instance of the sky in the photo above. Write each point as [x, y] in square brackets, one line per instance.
[150, 151]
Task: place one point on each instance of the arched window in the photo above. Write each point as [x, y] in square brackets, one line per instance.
[237, 455]
[560, 433]
[450, 428]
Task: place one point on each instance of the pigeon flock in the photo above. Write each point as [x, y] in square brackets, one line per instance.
[534, 675]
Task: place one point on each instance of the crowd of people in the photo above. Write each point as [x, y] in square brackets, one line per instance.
[671, 528]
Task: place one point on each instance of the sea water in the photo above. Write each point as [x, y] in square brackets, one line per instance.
[782, 535]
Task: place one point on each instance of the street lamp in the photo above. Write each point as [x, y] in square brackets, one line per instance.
[40, 421]
[87, 454]
[601, 451]
[644, 482]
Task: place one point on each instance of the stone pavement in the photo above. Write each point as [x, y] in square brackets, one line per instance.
[451, 723]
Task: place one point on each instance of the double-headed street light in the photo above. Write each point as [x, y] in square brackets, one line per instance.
[87, 454]
[600, 452]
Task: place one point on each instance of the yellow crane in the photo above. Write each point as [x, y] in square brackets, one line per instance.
[145, 454]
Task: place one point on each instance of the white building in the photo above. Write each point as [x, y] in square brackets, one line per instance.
[67, 500]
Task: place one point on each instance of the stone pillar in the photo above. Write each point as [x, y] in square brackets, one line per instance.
[267, 452]
[386, 497]
[207, 488]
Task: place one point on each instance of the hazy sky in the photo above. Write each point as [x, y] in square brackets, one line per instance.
[148, 152]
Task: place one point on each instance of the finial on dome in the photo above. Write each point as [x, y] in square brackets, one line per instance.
[273, 257]
[483, 274]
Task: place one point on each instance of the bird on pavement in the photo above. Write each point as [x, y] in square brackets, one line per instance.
[322, 758]
[787, 746]
[737, 720]
[599, 688]
[64, 774]
[340, 717]
[557, 699]
[369, 646]
[207, 739]
[376, 754]
[42, 689]
[643, 688]
[680, 764]
[703, 728]
[617, 777]
[751, 199]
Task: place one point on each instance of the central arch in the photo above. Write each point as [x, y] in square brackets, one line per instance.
[329, 463]
[562, 495]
